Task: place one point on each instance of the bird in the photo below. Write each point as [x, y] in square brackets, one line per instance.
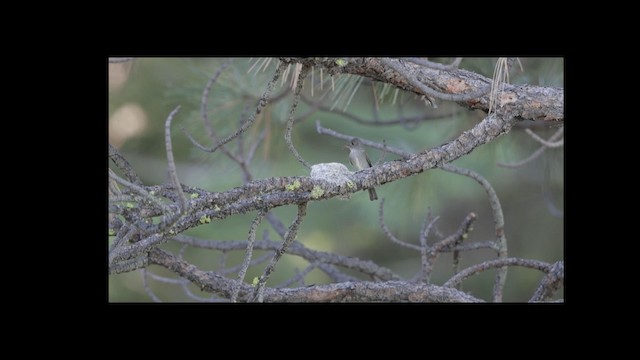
[360, 160]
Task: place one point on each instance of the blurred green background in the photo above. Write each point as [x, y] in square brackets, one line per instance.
[143, 92]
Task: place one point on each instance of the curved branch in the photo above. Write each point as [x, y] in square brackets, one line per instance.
[402, 120]
[261, 104]
[545, 142]
[205, 96]
[498, 218]
[294, 105]
[387, 232]
[535, 154]
[173, 174]
[430, 256]
[533, 264]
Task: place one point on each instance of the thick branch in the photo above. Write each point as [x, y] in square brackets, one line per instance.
[275, 192]
[123, 165]
[521, 101]
[391, 291]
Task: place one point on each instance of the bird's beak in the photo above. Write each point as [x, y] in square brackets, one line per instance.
[346, 147]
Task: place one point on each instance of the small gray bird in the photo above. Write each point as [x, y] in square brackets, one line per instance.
[359, 159]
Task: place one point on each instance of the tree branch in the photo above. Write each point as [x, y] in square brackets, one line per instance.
[249, 252]
[288, 239]
[298, 249]
[124, 165]
[533, 264]
[498, 218]
[550, 283]
[535, 154]
[173, 174]
[520, 101]
[294, 105]
[390, 291]
[261, 104]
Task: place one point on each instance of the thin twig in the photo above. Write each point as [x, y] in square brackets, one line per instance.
[139, 190]
[535, 154]
[166, 280]
[384, 153]
[298, 249]
[255, 145]
[427, 265]
[455, 263]
[173, 174]
[498, 218]
[384, 147]
[241, 120]
[388, 233]
[205, 96]
[425, 228]
[499, 263]
[432, 92]
[204, 112]
[288, 239]
[298, 277]
[545, 142]
[450, 241]
[276, 224]
[147, 289]
[313, 106]
[185, 284]
[222, 263]
[335, 274]
[473, 246]
[400, 120]
[247, 258]
[296, 98]
[257, 261]
[264, 100]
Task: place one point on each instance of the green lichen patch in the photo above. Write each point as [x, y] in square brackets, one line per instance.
[316, 192]
[291, 187]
